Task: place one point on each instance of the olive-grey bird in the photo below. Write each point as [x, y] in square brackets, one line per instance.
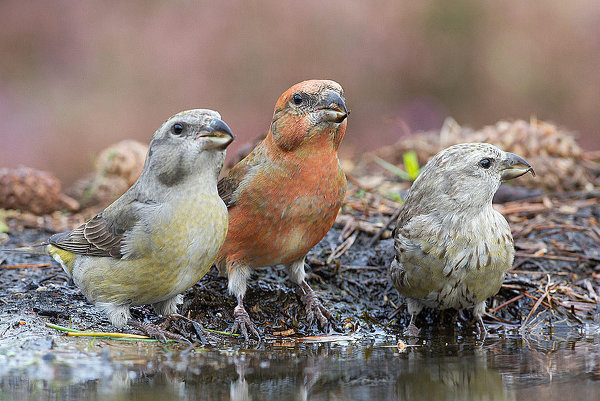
[452, 248]
[162, 235]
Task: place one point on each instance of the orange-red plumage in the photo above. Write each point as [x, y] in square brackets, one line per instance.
[285, 195]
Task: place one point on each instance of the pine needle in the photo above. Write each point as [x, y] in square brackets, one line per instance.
[27, 265]
[111, 335]
[403, 175]
[115, 336]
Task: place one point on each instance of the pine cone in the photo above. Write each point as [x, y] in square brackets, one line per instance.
[553, 153]
[124, 159]
[32, 190]
[117, 168]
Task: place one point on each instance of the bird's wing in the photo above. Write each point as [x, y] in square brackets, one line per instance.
[420, 257]
[229, 185]
[102, 235]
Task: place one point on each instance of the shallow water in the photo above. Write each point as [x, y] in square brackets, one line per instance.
[551, 367]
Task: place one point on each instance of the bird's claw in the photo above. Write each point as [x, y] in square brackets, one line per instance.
[461, 315]
[412, 330]
[157, 332]
[481, 330]
[315, 308]
[243, 323]
[201, 332]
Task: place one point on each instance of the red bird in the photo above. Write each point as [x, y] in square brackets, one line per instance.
[285, 195]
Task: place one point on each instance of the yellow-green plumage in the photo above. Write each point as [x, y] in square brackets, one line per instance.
[180, 253]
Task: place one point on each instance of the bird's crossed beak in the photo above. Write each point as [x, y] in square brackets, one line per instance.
[332, 108]
[515, 166]
[217, 134]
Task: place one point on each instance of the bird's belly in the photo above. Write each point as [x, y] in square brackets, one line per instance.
[464, 291]
[288, 235]
[440, 281]
[303, 225]
[175, 264]
[265, 233]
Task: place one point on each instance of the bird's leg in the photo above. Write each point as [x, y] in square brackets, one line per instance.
[117, 314]
[238, 275]
[478, 312]
[242, 320]
[481, 330]
[120, 315]
[412, 329]
[413, 307]
[168, 306]
[313, 306]
[461, 315]
[480, 327]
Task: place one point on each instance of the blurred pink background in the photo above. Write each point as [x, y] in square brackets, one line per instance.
[77, 76]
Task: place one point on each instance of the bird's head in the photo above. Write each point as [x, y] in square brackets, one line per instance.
[189, 144]
[469, 174]
[310, 112]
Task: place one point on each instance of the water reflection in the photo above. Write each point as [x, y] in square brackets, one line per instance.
[465, 377]
[438, 369]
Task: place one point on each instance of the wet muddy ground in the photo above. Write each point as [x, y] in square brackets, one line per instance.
[558, 257]
[543, 323]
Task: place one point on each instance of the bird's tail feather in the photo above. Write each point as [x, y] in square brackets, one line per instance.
[34, 249]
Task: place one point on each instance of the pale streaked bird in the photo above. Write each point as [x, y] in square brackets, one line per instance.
[452, 248]
[162, 235]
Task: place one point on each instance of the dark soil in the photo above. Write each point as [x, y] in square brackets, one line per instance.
[555, 281]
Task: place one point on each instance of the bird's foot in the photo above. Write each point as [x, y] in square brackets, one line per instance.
[158, 332]
[201, 332]
[460, 314]
[243, 322]
[412, 330]
[313, 306]
[481, 330]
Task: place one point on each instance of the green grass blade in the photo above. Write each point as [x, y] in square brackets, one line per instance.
[391, 168]
[411, 164]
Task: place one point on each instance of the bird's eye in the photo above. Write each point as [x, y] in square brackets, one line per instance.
[297, 98]
[177, 129]
[485, 163]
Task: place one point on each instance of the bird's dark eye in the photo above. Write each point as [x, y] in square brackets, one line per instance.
[485, 163]
[177, 129]
[297, 98]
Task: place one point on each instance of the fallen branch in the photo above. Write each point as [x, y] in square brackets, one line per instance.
[521, 208]
[510, 301]
[27, 265]
[535, 306]
[361, 225]
[385, 227]
[551, 257]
